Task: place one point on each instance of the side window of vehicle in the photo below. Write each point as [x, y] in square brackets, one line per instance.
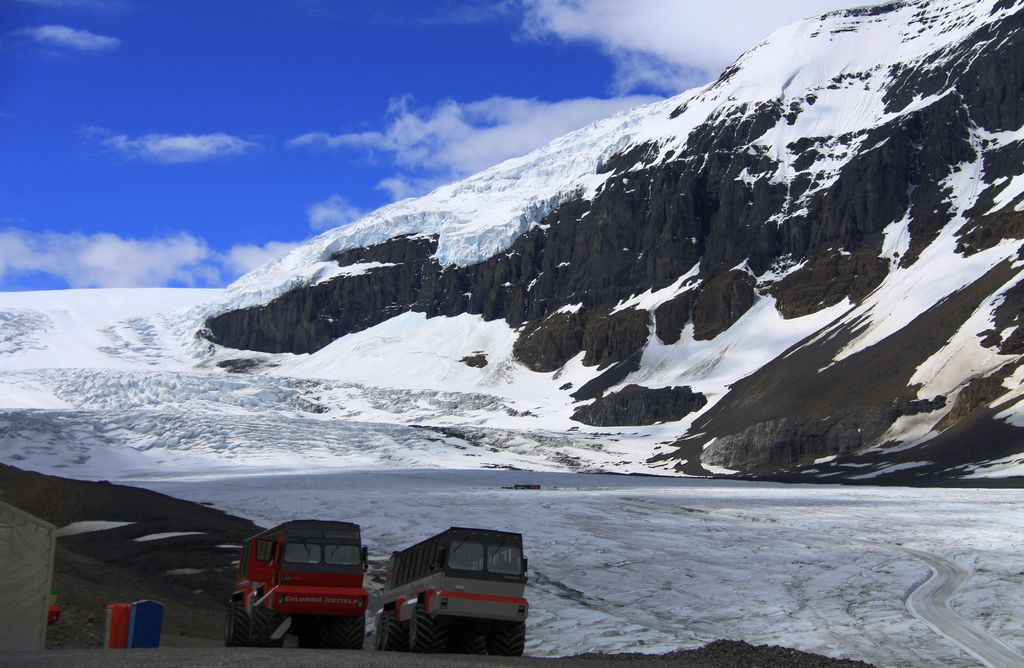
[420, 566]
[243, 562]
[264, 550]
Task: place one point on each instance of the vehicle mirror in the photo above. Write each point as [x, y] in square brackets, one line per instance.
[441, 554]
[366, 558]
[525, 564]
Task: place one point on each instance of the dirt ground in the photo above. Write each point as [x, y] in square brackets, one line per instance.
[720, 654]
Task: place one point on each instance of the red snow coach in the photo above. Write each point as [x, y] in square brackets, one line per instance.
[303, 577]
[460, 591]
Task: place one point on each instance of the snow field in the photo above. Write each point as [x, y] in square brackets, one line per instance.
[74, 399]
[111, 328]
[654, 564]
[65, 406]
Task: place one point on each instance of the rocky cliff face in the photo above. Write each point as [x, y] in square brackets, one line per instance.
[635, 405]
[880, 191]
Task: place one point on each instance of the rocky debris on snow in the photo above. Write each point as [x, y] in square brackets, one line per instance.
[477, 360]
[728, 654]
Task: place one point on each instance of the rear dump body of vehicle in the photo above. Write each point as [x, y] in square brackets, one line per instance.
[458, 591]
[303, 577]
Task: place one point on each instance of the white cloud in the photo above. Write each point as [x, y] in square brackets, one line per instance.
[243, 258]
[334, 211]
[67, 38]
[451, 140]
[173, 148]
[669, 44]
[105, 260]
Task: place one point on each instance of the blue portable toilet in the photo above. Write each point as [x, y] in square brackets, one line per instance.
[146, 622]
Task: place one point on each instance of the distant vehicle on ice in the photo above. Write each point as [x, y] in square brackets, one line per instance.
[458, 591]
[303, 577]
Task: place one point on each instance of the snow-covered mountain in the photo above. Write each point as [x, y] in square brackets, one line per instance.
[810, 267]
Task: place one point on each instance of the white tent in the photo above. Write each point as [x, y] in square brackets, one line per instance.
[27, 547]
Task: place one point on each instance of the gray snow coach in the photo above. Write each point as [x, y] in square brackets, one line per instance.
[459, 591]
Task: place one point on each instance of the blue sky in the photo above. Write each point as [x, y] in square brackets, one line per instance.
[181, 143]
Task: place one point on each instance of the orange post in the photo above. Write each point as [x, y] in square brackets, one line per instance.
[119, 617]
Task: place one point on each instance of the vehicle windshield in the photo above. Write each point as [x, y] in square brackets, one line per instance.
[500, 559]
[315, 553]
[467, 556]
[504, 559]
[343, 555]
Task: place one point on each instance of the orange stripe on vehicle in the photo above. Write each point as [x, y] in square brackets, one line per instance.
[482, 597]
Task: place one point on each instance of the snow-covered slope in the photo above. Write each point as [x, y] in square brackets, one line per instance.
[810, 267]
[474, 219]
[484, 214]
[95, 384]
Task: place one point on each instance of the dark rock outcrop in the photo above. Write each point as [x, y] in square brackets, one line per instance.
[829, 279]
[477, 360]
[611, 377]
[787, 441]
[723, 301]
[672, 316]
[636, 405]
[975, 394]
[803, 406]
[614, 337]
[548, 345]
[307, 319]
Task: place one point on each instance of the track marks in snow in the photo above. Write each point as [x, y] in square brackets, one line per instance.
[21, 330]
[929, 599]
[135, 340]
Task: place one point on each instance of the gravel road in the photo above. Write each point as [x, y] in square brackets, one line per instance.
[930, 602]
[719, 654]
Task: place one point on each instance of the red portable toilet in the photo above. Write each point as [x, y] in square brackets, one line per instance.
[119, 616]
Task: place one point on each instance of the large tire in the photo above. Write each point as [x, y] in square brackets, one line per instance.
[426, 634]
[472, 642]
[507, 639]
[236, 626]
[264, 622]
[396, 636]
[378, 632]
[312, 638]
[345, 632]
